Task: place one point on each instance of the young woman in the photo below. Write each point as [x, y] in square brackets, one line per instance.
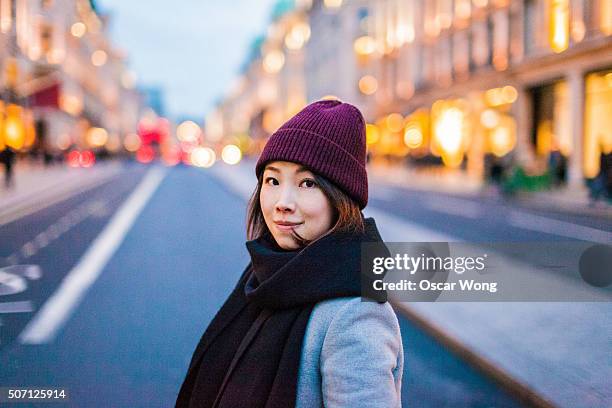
[295, 331]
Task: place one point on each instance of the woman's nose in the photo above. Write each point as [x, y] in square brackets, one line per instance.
[286, 201]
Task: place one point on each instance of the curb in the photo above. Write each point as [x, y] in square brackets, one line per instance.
[522, 392]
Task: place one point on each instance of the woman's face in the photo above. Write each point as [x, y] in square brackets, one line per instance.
[291, 201]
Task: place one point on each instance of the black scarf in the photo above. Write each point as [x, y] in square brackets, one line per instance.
[271, 305]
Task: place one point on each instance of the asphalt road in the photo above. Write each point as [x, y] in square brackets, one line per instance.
[128, 341]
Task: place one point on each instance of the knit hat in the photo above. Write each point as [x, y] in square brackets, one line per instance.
[328, 137]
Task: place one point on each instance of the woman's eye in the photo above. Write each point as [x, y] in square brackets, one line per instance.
[271, 181]
[309, 183]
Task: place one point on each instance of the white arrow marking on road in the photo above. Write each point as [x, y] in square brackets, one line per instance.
[58, 308]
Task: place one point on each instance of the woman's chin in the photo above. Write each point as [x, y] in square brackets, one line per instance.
[286, 241]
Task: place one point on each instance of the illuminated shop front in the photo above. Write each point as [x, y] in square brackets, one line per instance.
[455, 133]
[598, 119]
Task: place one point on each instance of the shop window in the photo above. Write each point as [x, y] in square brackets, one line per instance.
[552, 127]
[597, 120]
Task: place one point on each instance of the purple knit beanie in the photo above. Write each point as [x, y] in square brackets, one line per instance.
[329, 138]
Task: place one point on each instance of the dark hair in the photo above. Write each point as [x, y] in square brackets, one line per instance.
[347, 216]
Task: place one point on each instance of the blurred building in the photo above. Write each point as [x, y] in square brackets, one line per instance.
[59, 65]
[454, 84]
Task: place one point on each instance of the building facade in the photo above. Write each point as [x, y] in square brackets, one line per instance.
[458, 85]
[60, 65]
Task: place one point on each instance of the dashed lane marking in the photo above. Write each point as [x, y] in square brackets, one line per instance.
[58, 308]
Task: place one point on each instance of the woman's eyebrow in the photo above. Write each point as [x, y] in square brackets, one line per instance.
[300, 169]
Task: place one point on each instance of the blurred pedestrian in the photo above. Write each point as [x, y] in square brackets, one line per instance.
[294, 331]
[7, 156]
[557, 165]
[601, 185]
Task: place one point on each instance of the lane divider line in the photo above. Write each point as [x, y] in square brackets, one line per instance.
[558, 227]
[58, 308]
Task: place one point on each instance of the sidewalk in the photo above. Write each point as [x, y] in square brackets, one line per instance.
[36, 187]
[546, 354]
[574, 201]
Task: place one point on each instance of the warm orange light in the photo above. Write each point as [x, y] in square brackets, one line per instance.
[501, 96]
[78, 29]
[14, 127]
[202, 157]
[372, 134]
[329, 98]
[273, 62]
[332, 3]
[231, 154]
[395, 122]
[2, 144]
[96, 136]
[188, 131]
[364, 45]
[368, 85]
[71, 104]
[413, 137]
[98, 58]
[559, 25]
[502, 138]
[298, 36]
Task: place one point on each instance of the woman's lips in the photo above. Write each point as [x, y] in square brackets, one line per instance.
[286, 226]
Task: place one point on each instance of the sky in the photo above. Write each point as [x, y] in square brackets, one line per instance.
[192, 49]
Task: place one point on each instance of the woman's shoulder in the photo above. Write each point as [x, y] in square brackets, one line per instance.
[361, 337]
[353, 316]
[344, 307]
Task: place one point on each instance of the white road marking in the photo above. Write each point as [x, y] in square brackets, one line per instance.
[28, 249]
[11, 283]
[58, 308]
[557, 227]
[42, 240]
[22, 306]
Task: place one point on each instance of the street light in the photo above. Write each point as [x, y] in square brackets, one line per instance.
[78, 29]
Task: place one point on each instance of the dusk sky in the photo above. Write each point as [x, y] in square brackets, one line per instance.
[193, 49]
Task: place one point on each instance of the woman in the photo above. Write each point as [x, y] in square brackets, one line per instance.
[295, 331]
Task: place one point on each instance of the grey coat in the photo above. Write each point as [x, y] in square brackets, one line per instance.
[352, 356]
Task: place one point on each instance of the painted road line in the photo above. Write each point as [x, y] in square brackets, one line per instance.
[22, 306]
[557, 227]
[58, 308]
